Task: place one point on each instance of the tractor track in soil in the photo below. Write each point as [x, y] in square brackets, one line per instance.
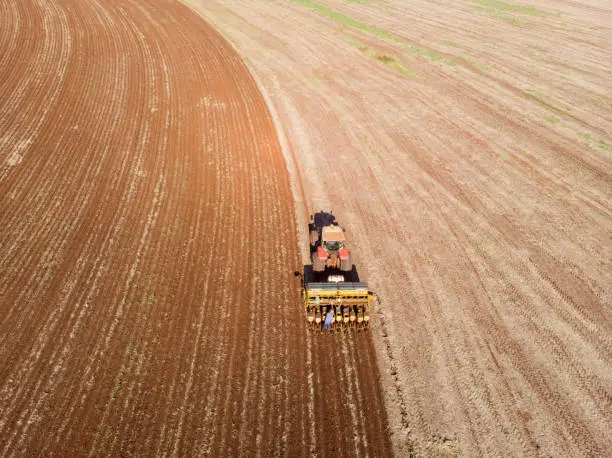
[147, 305]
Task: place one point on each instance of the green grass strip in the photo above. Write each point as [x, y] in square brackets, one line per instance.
[501, 6]
[380, 33]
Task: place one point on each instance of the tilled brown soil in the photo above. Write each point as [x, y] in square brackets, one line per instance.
[147, 244]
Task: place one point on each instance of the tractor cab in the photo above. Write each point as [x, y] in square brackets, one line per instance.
[332, 238]
[331, 281]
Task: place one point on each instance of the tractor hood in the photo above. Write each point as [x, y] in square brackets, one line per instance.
[333, 234]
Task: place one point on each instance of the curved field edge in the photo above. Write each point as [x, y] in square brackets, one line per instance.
[363, 370]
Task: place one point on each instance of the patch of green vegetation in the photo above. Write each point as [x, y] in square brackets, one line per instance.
[307, 3]
[386, 59]
[380, 33]
[499, 5]
[533, 94]
[506, 11]
[392, 62]
[552, 120]
[507, 18]
[358, 44]
[479, 65]
[451, 43]
[588, 141]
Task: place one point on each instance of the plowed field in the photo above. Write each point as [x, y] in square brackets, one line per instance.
[467, 146]
[147, 245]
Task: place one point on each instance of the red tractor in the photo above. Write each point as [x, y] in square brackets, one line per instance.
[327, 248]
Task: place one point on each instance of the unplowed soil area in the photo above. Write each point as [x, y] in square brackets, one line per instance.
[147, 246]
[467, 147]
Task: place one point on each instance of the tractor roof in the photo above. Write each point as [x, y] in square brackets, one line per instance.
[333, 234]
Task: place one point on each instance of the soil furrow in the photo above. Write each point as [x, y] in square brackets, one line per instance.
[148, 246]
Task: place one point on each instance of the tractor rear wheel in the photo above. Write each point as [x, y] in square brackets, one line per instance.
[318, 265]
[346, 265]
[314, 237]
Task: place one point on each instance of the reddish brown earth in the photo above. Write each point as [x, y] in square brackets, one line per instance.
[147, 244]
[467, 146]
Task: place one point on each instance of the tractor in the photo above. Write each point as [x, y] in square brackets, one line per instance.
[327, 244]
[331, 283]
